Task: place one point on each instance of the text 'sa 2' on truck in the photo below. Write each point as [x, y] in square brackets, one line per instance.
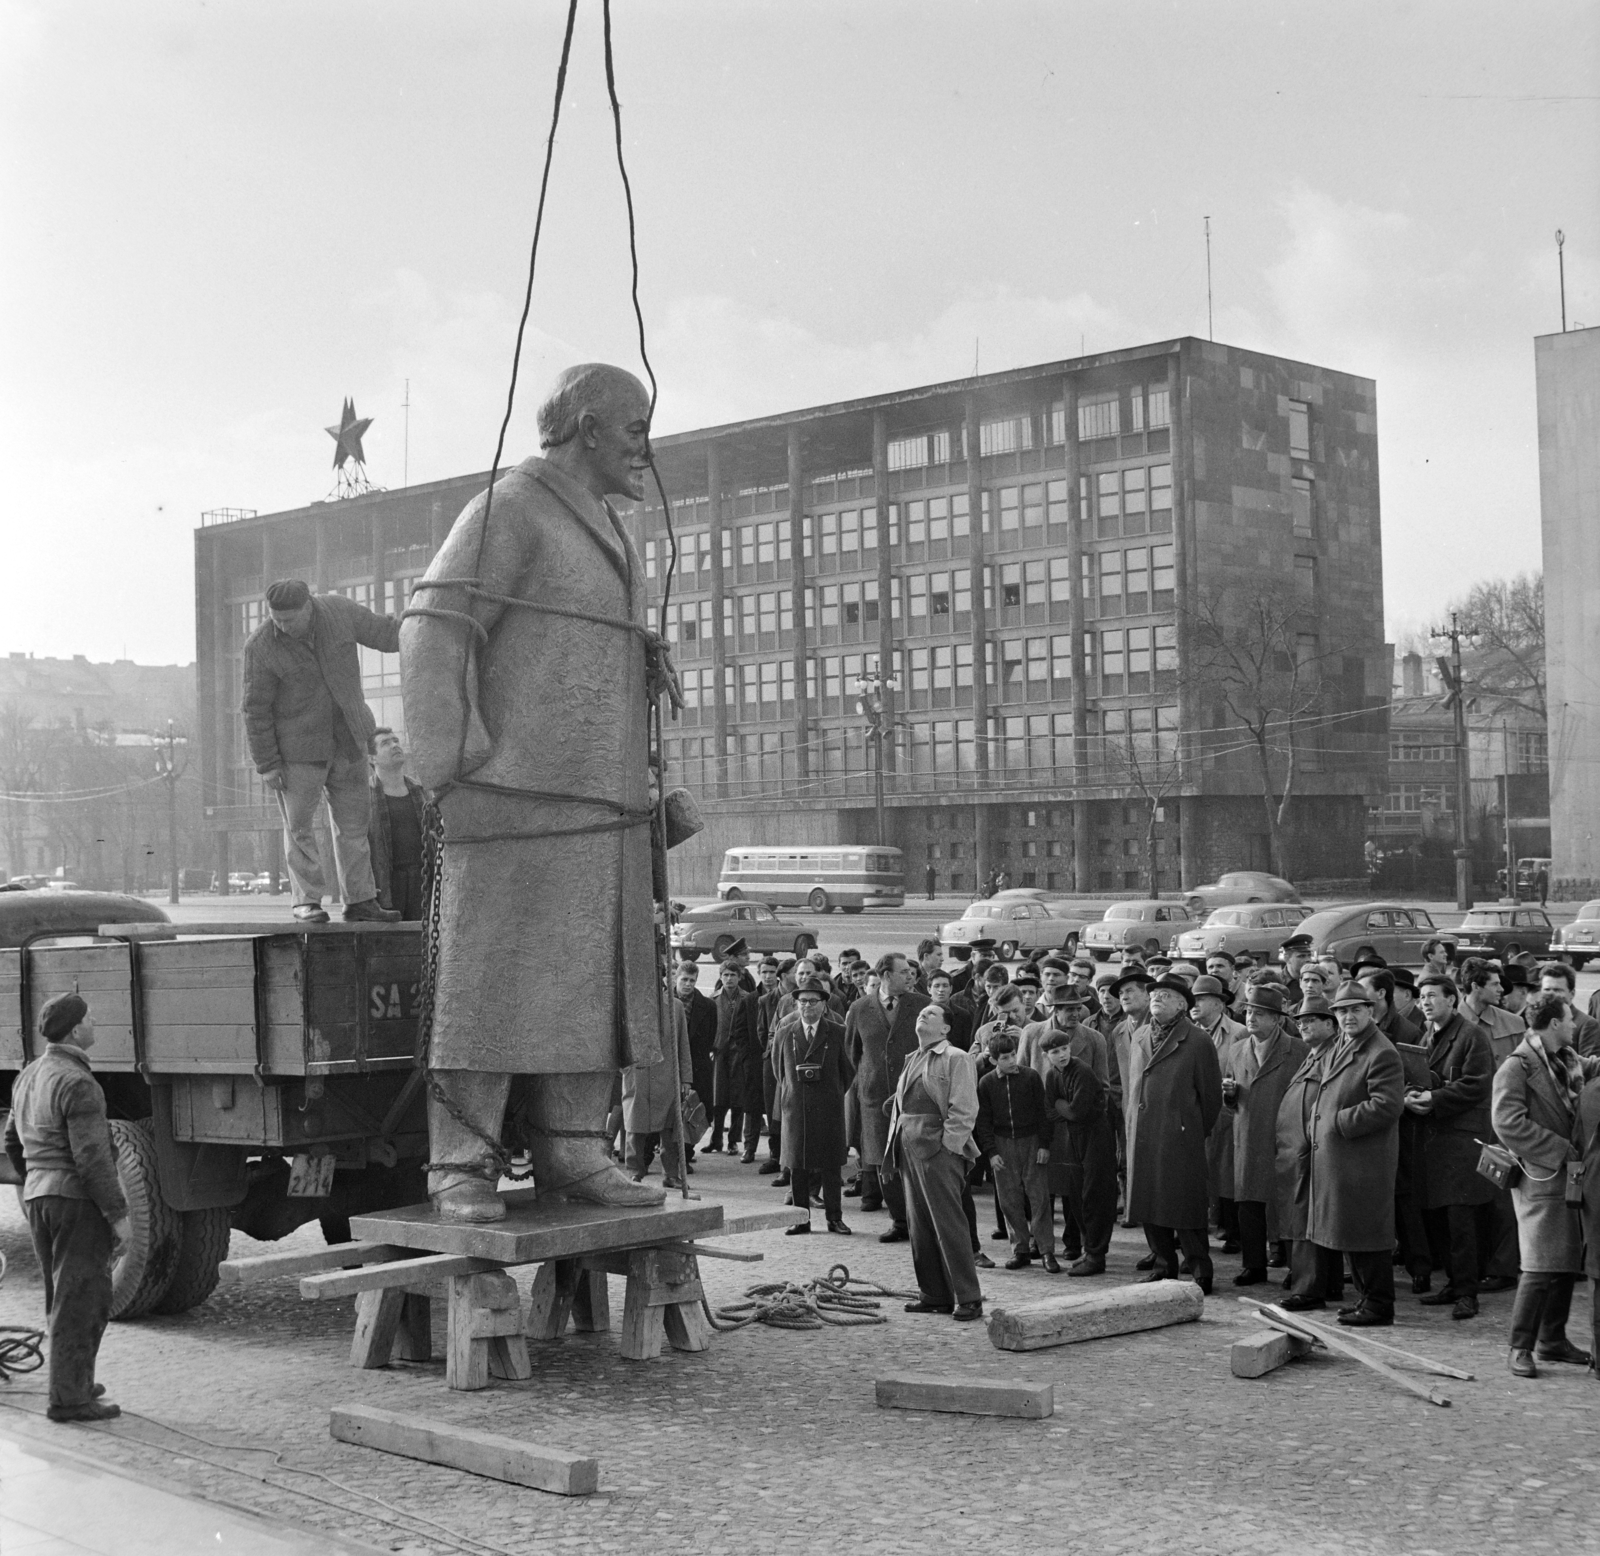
[256, 1076]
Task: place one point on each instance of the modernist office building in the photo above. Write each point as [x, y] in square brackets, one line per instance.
[1050, 594]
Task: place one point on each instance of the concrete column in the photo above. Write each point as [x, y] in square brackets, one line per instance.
[1077, 624]
[1190, 759]
[1082, 844]
[980, 633]
[1188, 840]
[719, 637]
[802, 704]
[880, 487]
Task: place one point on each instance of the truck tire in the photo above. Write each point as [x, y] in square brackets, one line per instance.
[202, 1246]
[139, 1279]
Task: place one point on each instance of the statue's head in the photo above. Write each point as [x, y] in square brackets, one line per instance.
[596, 423]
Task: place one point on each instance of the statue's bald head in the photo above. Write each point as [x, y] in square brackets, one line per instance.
[590, 386]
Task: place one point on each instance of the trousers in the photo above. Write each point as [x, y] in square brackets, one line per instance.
[1468, 1231]
[1021, 1185]
[805, 1183]
[1315, 1272]
[1252, 1214]
[1539, 1310]
[1164, 1242]
[72, 1242]
[941, 1244]
[878, 1185]
[344, 781]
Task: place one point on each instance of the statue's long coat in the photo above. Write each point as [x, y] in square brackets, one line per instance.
[546, 958]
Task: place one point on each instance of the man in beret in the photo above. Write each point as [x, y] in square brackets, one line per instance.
[58, 1138]
[308, 727]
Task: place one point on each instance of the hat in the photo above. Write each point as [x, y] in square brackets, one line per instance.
[1133, 975]
[1105, 978]
[1513, 976]
[1158, 960]
[1072, 994]
[60, 1015]
[962, 953]
[1374, 960]
[1350, 994]
[1404, 978]
[1314, 1005]
[288, 594]
[1184, 969]
[1221, 955]
[1296, 943]
[1269, 997]
[1205, 984]
[811, 986]
[1177, 985]
[981, 943]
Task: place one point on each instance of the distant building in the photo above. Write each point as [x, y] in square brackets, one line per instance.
[1567, 373]
[1041, 604]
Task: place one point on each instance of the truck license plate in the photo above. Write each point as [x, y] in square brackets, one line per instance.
[311, 1177]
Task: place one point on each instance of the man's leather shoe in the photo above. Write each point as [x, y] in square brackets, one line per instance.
[1439, 1298]
[1052, 1264]
[1230, 1246]
[94, 1410]
[1294, 1303]
[983, 1261]
[1492, 1283]
[853, 1192]
[369, 912]
[770, 1166]
[1366, 1318]
[1146, 1263]
[310, 913]
[799, 1229]
[1087, 1267]
[1249, 1277]
[1153, 1277]
[1204, 1278]
[748, 1157]
[966, 1312]
[1017, 1262]
[1565, 1352]
[1277, 1262]
[1421, 1284]
[895, 1234]
[999, 1235]
[871, 1205]
[1466, 1307]
[783, 1180]
[1522, 1364]
[840, 1228]
[920, 1306]
[1186, 1265]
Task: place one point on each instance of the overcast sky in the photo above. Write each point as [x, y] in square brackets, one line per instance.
[223, 218]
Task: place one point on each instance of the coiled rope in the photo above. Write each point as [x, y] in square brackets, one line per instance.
[838, 1298]
[21, 1349]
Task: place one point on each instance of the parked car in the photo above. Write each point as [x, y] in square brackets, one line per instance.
[1017, 924]
[1239, 886]
[240, 880]
[1258, 928]
[1152, 926]
[261, 883]
[1504, 932]
[716, 926]
[1579, 941]
[1354, 929]
[61, 883]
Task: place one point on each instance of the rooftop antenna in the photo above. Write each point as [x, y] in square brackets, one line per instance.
[1211, 328]
[405, 456]
[1561, 267]
[976, 342]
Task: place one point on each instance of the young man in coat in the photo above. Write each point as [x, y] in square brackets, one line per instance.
[1175, 1097]
[1459, 1202]
[1013, 1132]
[395, 828]
[1352, 1131]
[770, 995]
[1083, 1155]
[738, 1065]
[700, 1017]
[814, 1072]
[960, 1019]
[928, 1144]
[880, 1035]
[1255, 1074]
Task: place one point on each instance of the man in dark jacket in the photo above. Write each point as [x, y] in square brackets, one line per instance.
[814, 1072]
[58, 1138]
[1174, 1097]
[1013, 1133]
[960, 1019]
[701, 1015]
[1460, 1202]
[308, 727]
[1083, 1153]
[738, 1065]
[394, 832]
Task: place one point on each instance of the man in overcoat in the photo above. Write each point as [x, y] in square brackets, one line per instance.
[700, 1019]
[737, 1075]
[1313, 1280]
[1255, 1074]
[1083, 1157]
[651, 1111]
[1211, 1016]
[1175, 1096]
[880, 1035]
[814, 1072]
[769, 997]
[528, 670]
[1353, 1136]
[1587, 1140]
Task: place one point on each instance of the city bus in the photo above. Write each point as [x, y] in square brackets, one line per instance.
[820, 878]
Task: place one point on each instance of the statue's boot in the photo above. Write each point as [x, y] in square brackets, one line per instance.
[567, 1141]
[464, 1190]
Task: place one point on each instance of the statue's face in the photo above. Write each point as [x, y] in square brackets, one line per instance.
[618, 440]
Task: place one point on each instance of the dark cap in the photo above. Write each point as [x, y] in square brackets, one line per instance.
[1314, 1005]
[1269, 997]
[1514, 976]
[1374, 961]
[1177, 985]
[288, 594]
[1349, 995]
[811, 986]
[1206, 984]
[60, 1015]
[1404, 978]
[1296, 943]
[1133, 975]
[982, 943]
[962, 953]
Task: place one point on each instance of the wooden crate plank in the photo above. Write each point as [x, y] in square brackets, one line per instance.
[346, 1283]
[1258, 1354]
[269, 1266]
[967, 1396]
[1067, 1320]
[478, 1453]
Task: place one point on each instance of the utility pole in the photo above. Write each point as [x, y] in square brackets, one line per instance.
[1450, 674]
[167, 771]
[1505, 802]
[1211, 328]
[1561, 270]
[405, 455]
[872, 686]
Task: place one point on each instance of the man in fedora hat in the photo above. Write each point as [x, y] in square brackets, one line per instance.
[1174, 1099]
[1131, 990]
[1255, 1074]
[1211, 1016]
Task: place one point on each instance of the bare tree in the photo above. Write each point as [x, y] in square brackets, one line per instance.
[1145, 760]
[1505, 618]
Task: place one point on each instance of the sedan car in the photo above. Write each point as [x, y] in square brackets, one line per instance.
[1579, 941]
[1239, 886]
[1017, 925]
[1258, 928]
[1150, 925]
[1354, 929]
[1504, 932]
[716, 926]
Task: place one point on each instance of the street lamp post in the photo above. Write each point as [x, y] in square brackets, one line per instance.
[168, 771]
[1450, 674]
[872, 686]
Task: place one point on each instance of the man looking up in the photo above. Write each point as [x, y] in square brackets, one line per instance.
[394, 832]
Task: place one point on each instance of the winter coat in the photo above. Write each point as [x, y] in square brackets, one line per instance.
[879, 1050]
[1589, 1143]
[380, 844]
[1081, 1142]
[1462, 1065]
[1534, 1120]
[540, 725]
[812, 1111]
[1174, 1099]
[1084, 1041]
[700, 1015]
[737, 1079]
[649, 1091]
[1227, 1035]
[1253, 1116]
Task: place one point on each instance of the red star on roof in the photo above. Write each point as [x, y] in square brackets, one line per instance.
[347, 436]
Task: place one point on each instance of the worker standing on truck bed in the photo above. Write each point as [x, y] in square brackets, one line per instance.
[308, 728]
[58, 1138]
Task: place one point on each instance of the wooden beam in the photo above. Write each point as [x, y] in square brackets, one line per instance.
[266, 1266]
[967, 1396]
[378, 1315]
[401, 1272]
[1094, 1315]
[763, 1221]
[478, 1453]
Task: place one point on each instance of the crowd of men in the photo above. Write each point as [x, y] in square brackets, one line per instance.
[1324, 1124]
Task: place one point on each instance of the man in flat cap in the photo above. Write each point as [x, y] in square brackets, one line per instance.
[814, 1072]
[57, 1137]
[308, 727]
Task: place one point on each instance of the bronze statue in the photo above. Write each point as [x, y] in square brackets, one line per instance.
[527, 669]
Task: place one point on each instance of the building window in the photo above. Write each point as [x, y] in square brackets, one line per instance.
[939, 598]
[1038, 659]
[767, 612]
[786, 680]
[1061, 657]
[850, 600]
[962, 578]
[1161, 497]
[1005, 437]
[1136, 580]
[964, 666]
[1160, 404]
[869, 600]
[769, 681]
[750, 683]
[1111, 581]
[908, 453]
[830, 605]
[1166, 641]
[1057, 509]
[919, 670]
[1139, 659]
[1412, 798]
[943, 669]
[1409, 748]
[1032, 506]
[938, 518]
[850, 532]
[1113, 662]
[1060, 579]
[650, 552]
[1299, 430]
[1099, 418]
[1011, 584]
[747, 617]
[1011, 662]
[961, 514]
[1009, 509]
[1033, 583]
[830, 534]
[1305, 578]
[1163, 578]
[830, 678]
[1300, 499]
[919, 596]
[1533, 751]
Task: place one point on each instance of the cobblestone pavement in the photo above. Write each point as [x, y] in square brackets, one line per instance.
[771, 1440]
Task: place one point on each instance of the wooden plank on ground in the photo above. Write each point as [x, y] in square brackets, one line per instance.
[265, 1266]
[967, 1396]
[478, 1453]
[764, 1221]
[402, 1272]
[1258, 1354]
[1066, 1320]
